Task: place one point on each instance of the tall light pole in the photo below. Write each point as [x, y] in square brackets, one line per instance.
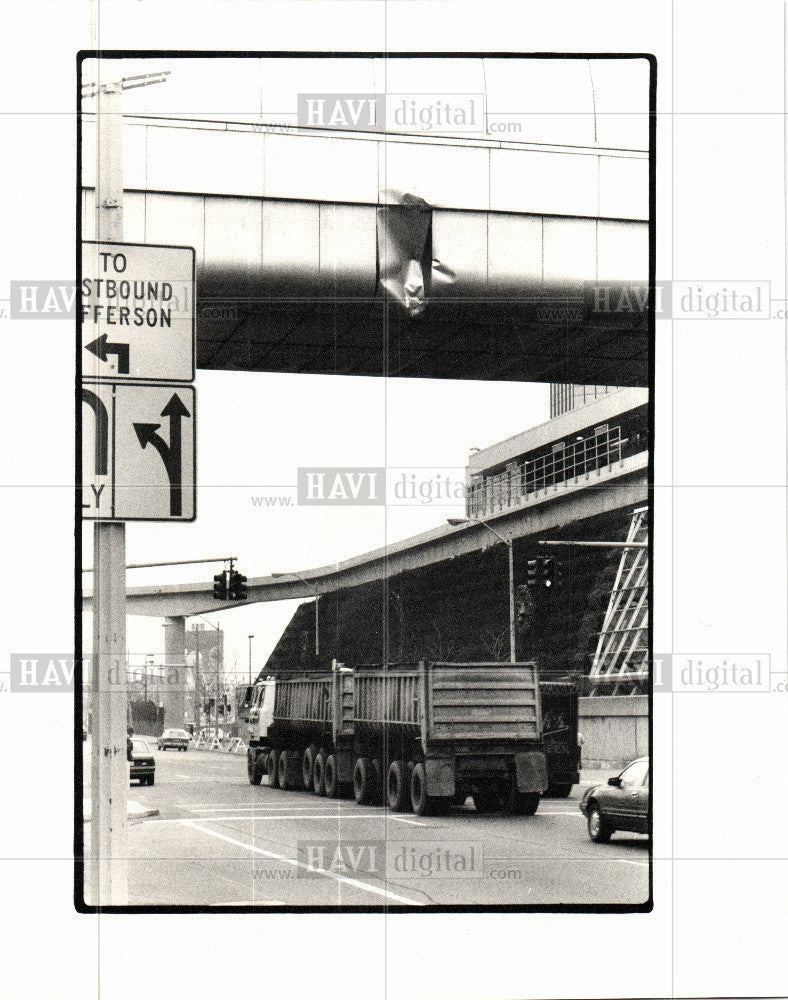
[250, 659]
[509, 543]
[317, 606]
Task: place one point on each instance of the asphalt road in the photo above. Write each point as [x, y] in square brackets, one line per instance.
[220, 841]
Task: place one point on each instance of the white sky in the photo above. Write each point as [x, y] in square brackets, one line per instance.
[255, 429]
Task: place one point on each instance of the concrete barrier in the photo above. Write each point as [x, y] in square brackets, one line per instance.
[615, 730]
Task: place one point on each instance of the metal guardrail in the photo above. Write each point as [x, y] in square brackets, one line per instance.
[578, 458]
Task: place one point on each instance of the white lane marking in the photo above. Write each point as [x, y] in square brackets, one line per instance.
[229, 805]
[344, 817]
[365, 886]
[626, 861]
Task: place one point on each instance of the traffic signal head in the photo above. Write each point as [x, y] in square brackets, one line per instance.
[238, 588]
[220, 587]
[532, 573]
[548, 572]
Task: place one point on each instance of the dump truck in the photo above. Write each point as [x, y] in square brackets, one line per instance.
[413, 736]
[560, 736]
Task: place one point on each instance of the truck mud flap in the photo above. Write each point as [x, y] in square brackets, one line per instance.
[439, 774]
[531, 771]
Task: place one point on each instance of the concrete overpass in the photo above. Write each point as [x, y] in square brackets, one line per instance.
[616, 488]
[533, 255]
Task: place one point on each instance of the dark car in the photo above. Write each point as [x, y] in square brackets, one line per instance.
[178, 739]
[143, 766]
[621, 804]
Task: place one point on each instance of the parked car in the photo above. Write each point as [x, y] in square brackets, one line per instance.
[621, 804]
[177, 739]
[143, 765]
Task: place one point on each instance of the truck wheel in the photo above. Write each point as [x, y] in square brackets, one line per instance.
[307, 766]
[363, 781]
[273, 769]
[283, 772]
[255, 769]
[423, 804]
[561, 791]
[319, 774]
[397, 790]
[522, 803]
[330, 782]
[378, 782]
[485, 801]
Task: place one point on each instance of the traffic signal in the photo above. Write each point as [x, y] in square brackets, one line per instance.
[548, 572]
[237, 590]
[542, 573]
[220, 587]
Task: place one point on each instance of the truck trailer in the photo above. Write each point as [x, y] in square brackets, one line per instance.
[413, 736]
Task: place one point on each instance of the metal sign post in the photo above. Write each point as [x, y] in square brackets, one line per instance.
[109, 767]
[137, 335]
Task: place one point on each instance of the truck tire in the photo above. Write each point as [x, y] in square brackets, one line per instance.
[561, 791]
[398, 787]
[307, 765]
[319, 774]
[255, 769]
[363, 781]
[378, 782]
[330, 782]
[486, 801]
[522, 803]
[283, 770]
[423, 804]
[273, 769]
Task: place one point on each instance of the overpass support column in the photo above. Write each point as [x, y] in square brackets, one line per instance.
[175, 656]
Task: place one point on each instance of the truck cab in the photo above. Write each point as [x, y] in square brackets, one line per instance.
[258, 714]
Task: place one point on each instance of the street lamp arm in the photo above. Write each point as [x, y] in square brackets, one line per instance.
[306, 583]
[477, 520]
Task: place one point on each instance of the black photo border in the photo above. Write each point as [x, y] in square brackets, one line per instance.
[80, 859]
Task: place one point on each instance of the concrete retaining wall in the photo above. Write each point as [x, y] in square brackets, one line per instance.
[615, 730]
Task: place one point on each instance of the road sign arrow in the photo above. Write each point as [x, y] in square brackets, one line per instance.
[101, 347]
[170, 453]
[147, 435]
[102, 430]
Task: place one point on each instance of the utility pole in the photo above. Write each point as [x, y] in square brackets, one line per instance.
[250, 659]
[216, 697]
[109, 765]
[197, 698]
[108, 877]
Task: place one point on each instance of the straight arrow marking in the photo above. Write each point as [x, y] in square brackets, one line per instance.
[170, 453]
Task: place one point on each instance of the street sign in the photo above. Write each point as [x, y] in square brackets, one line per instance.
[137, 312]
[138, 452]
